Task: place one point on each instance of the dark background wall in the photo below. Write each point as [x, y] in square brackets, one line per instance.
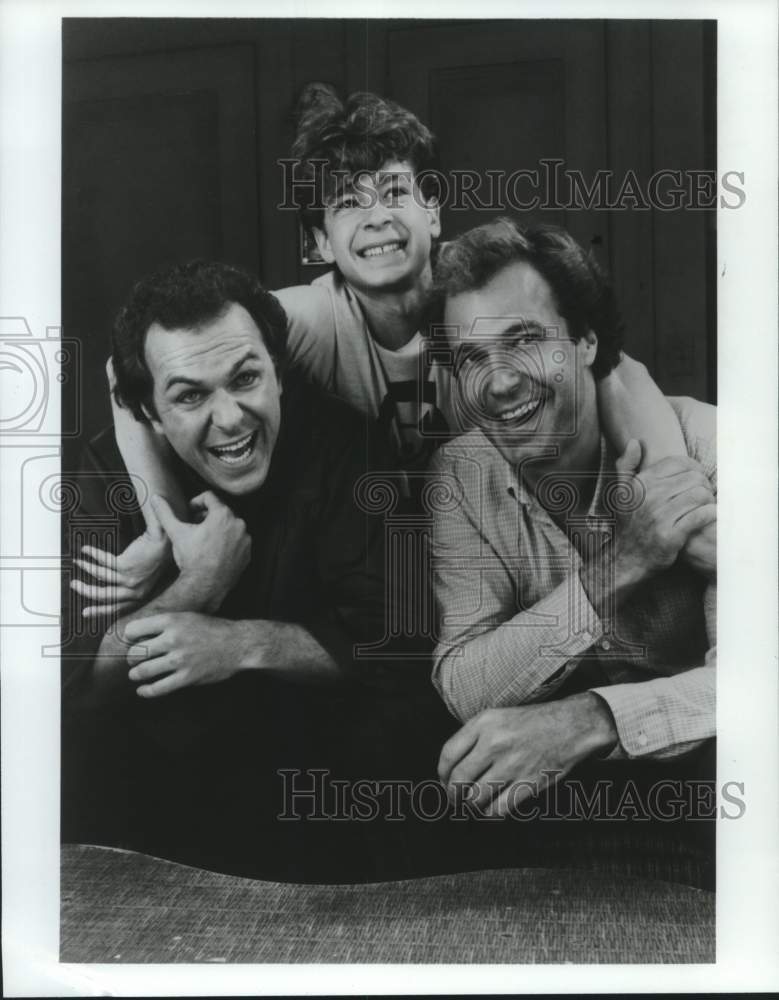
[172, 132]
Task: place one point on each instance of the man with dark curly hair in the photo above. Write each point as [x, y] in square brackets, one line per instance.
[234, 652]
[571, 627]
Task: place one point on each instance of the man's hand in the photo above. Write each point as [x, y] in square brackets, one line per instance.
[178, 649]
[211, 554]
[677, 501]
[126, 581]
[506, 755]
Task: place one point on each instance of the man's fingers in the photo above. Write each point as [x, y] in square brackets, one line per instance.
[173, 682]
[699, 517]
[97, 592]
[101, 556]
[685, 503]
[674, 465]
[144, 628]
[454, 750]
[98, 572]
[483, 788]
[630, 459]
[148, 669]
[206, 501]
[103, 610]
[165, 515]
[147, 649]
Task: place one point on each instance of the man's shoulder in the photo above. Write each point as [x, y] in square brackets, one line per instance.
[101, 453]
[321, 423]
[470, 446]
[698, 422]
[472, 467]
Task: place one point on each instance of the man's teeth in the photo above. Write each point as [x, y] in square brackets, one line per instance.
[518, 411]
[378, 251]
[233, 453]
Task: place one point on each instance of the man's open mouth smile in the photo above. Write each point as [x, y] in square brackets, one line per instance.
[383, 249]
[519, 413]
[237, 452]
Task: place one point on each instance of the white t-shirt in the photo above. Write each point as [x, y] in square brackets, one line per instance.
[408, 391]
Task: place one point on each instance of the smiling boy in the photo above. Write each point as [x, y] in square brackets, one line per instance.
[366, 189]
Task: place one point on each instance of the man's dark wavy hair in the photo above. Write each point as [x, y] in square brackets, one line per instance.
[186, 296]
[350, 137]
[583, 295]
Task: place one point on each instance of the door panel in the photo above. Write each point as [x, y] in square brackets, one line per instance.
[504, 95]
[159, 165]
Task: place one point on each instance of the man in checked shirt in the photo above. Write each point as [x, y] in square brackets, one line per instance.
[575, 587]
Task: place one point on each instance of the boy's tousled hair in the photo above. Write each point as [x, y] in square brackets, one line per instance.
[338, 139]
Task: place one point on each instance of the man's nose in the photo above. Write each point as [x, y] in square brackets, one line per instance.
[503, 381]
[226, 414]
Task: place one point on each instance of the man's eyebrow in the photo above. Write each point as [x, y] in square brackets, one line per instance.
[523, 327]
[519, 326]
[183, 380]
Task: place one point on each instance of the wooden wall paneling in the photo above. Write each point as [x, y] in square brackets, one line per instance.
[525, 90]
[680, 236]
[326, 50]
[158, 166]
[274, 46]
[631, 263]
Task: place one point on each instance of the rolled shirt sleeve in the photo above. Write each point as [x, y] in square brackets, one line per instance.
[491, 652]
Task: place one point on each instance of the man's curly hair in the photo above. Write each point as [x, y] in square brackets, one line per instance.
[339, 139]
[186, 297]
[582, 293]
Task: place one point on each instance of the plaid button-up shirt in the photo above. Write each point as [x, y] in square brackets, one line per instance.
[515, 621]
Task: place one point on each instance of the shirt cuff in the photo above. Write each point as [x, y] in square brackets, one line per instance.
[654, 719]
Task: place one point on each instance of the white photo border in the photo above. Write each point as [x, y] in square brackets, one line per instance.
[748, 693]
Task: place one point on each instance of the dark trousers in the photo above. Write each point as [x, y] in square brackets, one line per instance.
[221, 776]
[272, 780]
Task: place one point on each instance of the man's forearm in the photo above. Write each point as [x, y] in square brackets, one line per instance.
[287, 650]
[183, 594]
[607, 582]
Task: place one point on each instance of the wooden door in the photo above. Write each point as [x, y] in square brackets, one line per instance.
[503, 96]
[159, 166]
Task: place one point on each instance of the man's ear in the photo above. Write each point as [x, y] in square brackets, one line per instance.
[590, 342]
[154, 421]
[323, 244]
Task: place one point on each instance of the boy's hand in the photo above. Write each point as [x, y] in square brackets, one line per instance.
[125, 582]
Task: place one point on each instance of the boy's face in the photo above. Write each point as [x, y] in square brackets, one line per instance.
[378, 230]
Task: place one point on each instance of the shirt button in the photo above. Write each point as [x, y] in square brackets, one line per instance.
[642, 739]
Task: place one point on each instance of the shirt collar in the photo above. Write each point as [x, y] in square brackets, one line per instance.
[521, 494]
